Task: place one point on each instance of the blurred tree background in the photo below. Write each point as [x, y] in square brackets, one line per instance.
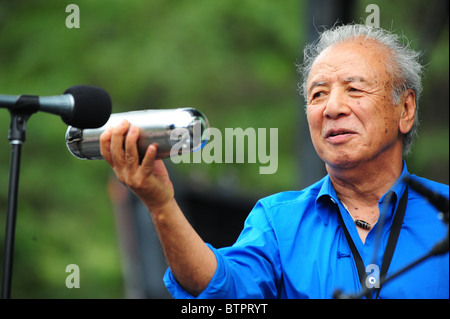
[233, 60]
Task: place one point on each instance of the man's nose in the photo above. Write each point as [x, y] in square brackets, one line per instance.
[336, 105]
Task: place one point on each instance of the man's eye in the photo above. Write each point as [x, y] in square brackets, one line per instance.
[317, 95]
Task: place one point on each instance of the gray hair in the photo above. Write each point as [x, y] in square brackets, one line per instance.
[404, 63]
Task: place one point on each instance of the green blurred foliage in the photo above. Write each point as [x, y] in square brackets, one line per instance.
[233, 60]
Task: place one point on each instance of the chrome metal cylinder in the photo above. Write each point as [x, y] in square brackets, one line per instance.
[174, 130]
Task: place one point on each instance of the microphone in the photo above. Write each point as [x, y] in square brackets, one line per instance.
[176, 131]
[80, 106]
[440, 202]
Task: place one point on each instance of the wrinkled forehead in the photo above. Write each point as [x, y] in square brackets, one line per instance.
[357, 58]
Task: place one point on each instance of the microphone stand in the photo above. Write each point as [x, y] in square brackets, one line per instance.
[440, 248]
[442, 204]
[20, 112]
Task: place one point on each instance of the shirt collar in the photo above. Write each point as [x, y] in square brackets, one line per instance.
[327, 195]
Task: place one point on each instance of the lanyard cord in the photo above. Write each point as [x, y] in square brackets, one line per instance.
[390, 247]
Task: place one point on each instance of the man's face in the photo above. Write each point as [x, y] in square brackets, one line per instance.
[351, 115]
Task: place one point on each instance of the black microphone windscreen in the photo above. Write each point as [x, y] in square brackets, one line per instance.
[92, 107]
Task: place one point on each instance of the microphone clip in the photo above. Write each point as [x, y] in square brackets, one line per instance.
[25, 106]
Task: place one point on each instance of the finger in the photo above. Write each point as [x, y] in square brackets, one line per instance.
[117, 139]
[105, 144]
[149, 159]
[131, 149]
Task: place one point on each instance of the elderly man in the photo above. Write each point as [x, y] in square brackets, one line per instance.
[361, 87]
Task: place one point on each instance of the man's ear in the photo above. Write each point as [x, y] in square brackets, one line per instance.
[408, 105]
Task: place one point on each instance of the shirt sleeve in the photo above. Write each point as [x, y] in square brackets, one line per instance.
[248, 269]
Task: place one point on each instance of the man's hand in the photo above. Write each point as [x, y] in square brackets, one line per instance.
[149, 179]
[191, 260]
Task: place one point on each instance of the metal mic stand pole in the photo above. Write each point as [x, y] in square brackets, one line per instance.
[439, 248]
[20, 113]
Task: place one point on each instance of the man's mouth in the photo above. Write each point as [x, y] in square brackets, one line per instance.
[332, 133]
[338, 135]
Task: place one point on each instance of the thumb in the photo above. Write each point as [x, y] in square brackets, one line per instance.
[149, 159]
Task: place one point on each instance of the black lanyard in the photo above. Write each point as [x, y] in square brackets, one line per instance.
[390, 247]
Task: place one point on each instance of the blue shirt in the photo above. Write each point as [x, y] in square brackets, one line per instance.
[292, 246]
